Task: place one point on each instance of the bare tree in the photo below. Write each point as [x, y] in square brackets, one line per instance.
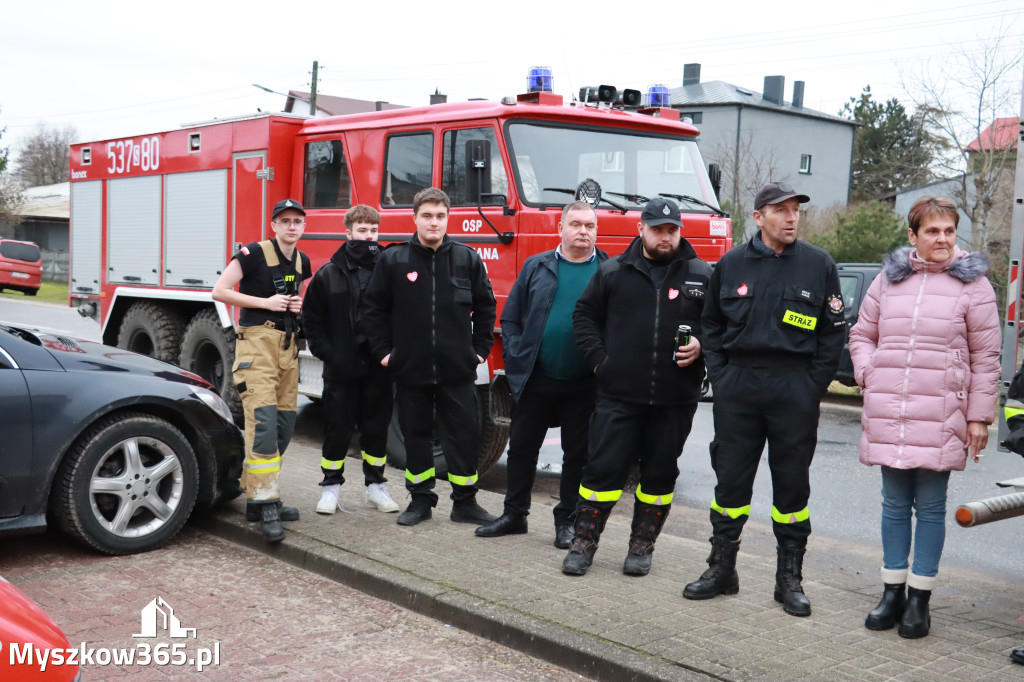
[744, 172]
[10, 196]
[961, 100]
[43, 158]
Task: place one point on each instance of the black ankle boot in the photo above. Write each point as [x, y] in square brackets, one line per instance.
[648, 520]
[916, 621]
[788, 578]
[889, 609]
[721, 576]
[589, 525]
[273, 531]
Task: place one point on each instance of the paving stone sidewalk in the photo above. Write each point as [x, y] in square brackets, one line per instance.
[609, 626]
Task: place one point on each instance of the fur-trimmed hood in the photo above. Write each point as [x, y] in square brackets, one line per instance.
[903, 262]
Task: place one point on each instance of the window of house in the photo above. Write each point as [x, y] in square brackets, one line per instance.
[696, 117]
[407, 167]
[325, 182]
[453, 171]
[805, 164]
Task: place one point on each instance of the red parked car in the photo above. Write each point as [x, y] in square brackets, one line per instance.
[21, 266]
[26, 629]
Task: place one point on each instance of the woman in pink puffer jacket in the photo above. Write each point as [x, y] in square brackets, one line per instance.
[925, 350]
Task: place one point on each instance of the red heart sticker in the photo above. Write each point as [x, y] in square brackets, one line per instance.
[412, 276]
[742, 291]
[672, 293]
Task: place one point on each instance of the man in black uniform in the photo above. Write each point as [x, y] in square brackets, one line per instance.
[357, 390]
[773, 332]
[269, 275]
[428, 315]
[546, 372]
[648, 383]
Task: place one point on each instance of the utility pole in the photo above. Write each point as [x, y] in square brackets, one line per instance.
[312, 90]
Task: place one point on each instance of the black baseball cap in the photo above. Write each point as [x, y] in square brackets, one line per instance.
[660, 211]
[284, 205]
[776, 192]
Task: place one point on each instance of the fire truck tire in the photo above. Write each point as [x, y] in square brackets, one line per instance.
[494, 436]
[151, 329]
[495, 418]
[208, 349]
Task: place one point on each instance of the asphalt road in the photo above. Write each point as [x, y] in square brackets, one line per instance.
[846, 495]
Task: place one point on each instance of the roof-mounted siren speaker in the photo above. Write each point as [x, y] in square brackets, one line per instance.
[599, 93]
[539, 79]
[630, 98]
[658, 96]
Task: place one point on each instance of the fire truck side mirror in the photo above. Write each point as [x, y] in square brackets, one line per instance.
[715, 174]
[478, 170]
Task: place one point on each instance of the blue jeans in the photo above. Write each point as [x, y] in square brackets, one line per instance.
[925, 490]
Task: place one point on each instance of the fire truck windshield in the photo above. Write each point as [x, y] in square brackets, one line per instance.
[631, 166]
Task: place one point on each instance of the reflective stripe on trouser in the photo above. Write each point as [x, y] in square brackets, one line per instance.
[621, 433]
[455, 407]
[755, 406]
[653, 500]
[363, 404]
[266, 375]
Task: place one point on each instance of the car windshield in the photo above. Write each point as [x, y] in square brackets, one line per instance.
[631, 167]
[19, 251]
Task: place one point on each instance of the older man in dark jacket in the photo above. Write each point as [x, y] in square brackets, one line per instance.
[428, 314]
[547, 373]
[648, 380]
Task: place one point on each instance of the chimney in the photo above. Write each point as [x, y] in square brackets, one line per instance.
[798, 94]
[438, 98]
[379, 105]
[774, 87]
[691, 74]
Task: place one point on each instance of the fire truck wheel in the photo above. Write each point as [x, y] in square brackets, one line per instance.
[208, 349]
[151, 329]
[127, 485]
[494, 422]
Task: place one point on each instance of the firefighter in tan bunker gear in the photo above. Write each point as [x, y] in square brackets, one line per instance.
[269, 275]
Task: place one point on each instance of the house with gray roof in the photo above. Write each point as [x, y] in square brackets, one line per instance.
[757, 137]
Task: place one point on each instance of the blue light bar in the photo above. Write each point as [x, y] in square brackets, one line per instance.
[539, 79]
[658, 96]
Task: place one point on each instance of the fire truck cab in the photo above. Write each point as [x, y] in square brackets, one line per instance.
[155, 218]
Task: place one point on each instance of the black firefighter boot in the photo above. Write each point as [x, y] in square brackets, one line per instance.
[721, 576]
[252, 512]
[648, 520]
[589, 525]
[273, 531]
[916, 621]
[788, 575]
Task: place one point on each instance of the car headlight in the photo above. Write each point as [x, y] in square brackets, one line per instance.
[214, 402]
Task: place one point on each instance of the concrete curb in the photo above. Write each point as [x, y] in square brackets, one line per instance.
[595, 658]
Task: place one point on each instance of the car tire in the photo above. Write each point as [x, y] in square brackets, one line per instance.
[208, 349]
[104, 492]
[153, 330]
[31, 292]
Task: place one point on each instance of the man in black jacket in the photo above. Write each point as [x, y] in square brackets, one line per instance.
[357, 390]
[546, 372]
[428, 314]
[648, 383]
[773, 332]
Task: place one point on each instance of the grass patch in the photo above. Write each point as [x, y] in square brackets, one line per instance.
[50, 292]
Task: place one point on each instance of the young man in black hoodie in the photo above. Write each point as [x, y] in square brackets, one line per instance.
[428, 314]
[648, 380]
[357, 390]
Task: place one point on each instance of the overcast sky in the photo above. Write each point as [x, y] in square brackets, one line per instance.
[114, 69]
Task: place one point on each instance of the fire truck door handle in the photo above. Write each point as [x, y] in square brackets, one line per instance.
[132, 278]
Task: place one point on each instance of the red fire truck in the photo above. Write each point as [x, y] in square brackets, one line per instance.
[155, 218]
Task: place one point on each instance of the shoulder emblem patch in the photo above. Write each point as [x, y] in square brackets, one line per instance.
[835, 303]
[245, 250]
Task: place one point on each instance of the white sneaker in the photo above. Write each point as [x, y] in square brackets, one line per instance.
[377, 496]
[329, 500]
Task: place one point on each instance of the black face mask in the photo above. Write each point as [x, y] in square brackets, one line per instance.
[363, 253]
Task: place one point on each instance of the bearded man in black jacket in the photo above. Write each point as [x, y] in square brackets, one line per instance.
[429, 316]
[648, 382]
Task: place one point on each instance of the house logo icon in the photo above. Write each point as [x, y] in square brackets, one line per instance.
[158, 615]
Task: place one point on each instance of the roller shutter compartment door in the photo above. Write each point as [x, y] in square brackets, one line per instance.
[133, 230]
